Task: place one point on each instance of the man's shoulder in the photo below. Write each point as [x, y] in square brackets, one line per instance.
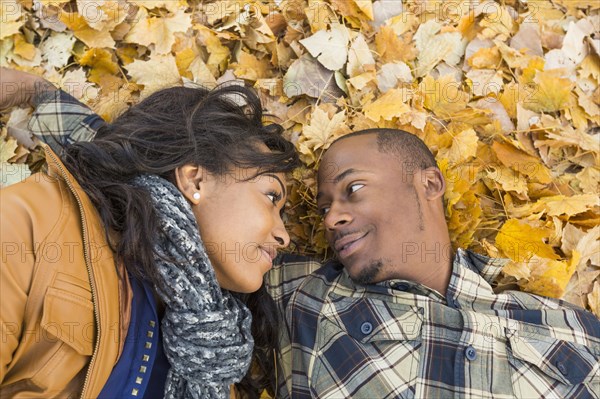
[560, 317]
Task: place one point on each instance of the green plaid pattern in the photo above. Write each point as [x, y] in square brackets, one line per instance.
[399, 339]
[59, 119]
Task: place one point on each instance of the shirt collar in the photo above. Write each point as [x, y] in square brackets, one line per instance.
[465, 261]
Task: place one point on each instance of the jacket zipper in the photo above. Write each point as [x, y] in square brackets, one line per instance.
[89, 270]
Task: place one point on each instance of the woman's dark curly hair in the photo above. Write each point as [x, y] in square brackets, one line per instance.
[216, 129]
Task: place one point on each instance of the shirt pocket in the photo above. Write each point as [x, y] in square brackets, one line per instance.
[547, 367]
[366, 348]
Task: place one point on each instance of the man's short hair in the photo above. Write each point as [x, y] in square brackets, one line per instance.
[407, 147]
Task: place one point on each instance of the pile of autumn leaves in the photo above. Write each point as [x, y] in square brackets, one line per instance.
[505, 94]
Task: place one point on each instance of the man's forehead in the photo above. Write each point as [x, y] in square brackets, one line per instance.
[349, 152]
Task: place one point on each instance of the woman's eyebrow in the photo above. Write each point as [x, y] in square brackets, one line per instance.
[283, 190]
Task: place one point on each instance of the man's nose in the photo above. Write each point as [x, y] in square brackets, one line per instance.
[337, 216]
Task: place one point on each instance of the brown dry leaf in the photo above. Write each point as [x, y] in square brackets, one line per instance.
[307, 76]
[505, 94]
[251, 68]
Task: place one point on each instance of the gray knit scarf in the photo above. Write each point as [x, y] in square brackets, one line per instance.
[206, 331]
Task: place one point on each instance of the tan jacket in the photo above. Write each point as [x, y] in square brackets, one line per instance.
[64, 311]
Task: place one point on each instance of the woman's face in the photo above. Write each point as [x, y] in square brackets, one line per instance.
[240, 222]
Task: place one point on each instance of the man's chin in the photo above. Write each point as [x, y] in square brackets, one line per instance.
[365, 272]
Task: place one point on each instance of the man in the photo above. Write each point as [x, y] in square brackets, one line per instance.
[397, 314]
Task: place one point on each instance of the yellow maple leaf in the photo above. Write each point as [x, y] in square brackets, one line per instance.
[90, 36]
[158, 31]
[464, 147]
[486, 57]
[170, 5]
[391, 48]
[562, 205]
[443, 96]
[549, 277]
[388, 106]
[589, 180]
[322, 130]
[158, 72]
[103, 16]
[24, 49]
[218, 54]
[551, 92]
[519, 241]
[101, 64]
[11, 13]
[508, 179]
[522, 162]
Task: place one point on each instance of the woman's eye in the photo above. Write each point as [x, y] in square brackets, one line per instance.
[354, 188]
[274, 197]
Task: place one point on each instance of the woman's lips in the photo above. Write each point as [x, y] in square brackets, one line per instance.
[268, 256]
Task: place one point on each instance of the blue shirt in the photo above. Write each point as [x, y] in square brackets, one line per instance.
[142, 368]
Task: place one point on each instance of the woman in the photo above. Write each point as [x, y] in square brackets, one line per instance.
[169, 211]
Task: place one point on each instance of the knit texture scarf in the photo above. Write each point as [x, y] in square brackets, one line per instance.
[206, 331]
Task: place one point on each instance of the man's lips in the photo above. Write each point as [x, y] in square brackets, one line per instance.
[347, 240]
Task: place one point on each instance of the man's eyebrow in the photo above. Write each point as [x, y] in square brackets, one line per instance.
[341, 177]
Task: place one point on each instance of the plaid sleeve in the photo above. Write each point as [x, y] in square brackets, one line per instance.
[59, 119]
[288, 272]
[285, 276]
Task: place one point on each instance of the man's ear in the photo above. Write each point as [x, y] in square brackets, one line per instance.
[433, 183]
[189, 179]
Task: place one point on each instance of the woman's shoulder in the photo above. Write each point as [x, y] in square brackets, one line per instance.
[34, 206]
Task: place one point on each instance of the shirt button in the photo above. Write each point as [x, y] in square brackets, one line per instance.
[366, 328]
[562, 368]
[470, 353]
[402, 287]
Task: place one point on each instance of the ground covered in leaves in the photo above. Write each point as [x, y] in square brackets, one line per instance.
[506, 94]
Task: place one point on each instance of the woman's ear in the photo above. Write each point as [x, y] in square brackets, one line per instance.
[189, 179]
[433, 182]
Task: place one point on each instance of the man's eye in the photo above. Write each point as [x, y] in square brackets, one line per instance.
[355, 187]
[323, 211]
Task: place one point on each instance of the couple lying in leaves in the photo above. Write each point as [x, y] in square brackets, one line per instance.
[142, 262]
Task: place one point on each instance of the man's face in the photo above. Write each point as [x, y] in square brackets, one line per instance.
[372, 209]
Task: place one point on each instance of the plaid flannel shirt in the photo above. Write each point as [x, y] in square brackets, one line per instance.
[59, 119]
[399, 339]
